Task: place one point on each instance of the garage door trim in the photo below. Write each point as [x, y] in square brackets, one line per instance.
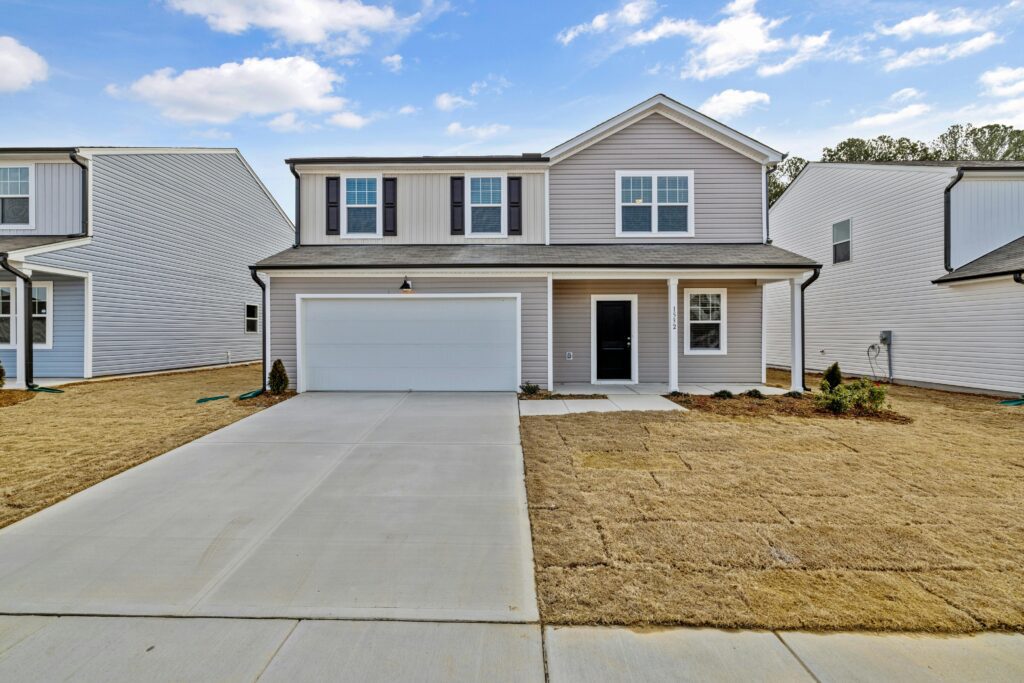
[300, 381]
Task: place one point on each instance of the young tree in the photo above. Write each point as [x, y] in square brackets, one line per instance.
[780, 178]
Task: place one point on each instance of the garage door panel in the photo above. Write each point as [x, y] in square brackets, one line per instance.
[416, 343]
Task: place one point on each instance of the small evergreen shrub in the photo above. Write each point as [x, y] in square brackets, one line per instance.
[3, 376]
[677, 394]
[753, 393]
[860, 395]
[724, 393]
[277, 382]
[833, 375]
[529, 389]
[794, 394]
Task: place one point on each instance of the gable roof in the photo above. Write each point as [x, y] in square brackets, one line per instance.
[675, 111]
[1005, 260]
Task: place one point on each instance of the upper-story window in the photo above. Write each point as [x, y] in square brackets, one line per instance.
[15, 196]
[486, 209]
[841, 238]
[653, 203]
[361, 206]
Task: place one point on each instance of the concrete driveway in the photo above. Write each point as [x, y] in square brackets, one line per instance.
[355, 506]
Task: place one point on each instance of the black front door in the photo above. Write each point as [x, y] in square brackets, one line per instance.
[614, 345]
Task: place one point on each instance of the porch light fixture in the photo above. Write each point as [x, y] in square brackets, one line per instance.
[406, 287]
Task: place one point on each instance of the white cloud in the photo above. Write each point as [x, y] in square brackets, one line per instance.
[738, 41]
[493, 83]
[942, 53]
[906, 95]
[954, 22]
[1003, 81]
[630, 13]
[449, 102]
[20, 66]
[1009, 112]
[730, 104]
[222, 94]
[408, 110]
[393, 63]
[342, 25]
[477, 132]
[911, 111]
[287, 122]
[348, 119]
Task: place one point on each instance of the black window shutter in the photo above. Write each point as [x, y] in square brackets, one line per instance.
[333, 206]
[390, 207]
[515, 206]
[458, 184]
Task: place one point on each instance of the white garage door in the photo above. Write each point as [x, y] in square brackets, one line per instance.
[413, 342]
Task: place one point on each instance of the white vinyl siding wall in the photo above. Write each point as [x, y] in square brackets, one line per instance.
[726, 188]
[987, 211]
[962, 336]
[56, 200]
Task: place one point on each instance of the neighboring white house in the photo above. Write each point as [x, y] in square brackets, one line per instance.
[932, 252]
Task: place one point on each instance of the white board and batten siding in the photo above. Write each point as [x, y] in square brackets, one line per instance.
[727, 188]
[967, 335]
[173, 236]
[532, 303]
[424, 206]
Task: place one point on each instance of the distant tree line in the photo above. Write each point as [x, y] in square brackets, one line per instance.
[994, 142]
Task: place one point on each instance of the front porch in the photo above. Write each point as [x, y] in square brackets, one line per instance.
[655, 389]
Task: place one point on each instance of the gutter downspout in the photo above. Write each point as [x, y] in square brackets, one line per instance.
[263, 322]
[1019, 277]
[85, 191]
[767, 207]
[298, 206]
[803, 325]
[947, 221]
[26, 317]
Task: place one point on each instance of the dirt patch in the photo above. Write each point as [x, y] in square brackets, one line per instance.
[58, 444]
[777, 405]
[749, 515]
[551, 396]
[12, 398]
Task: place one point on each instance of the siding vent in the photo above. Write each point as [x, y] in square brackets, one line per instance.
[390, 207]
[334, 206]
[458, 200]
[515, 206]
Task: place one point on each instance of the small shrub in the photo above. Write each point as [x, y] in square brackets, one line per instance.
[277, 382]
[677, 394]
[724, 393]
[861, 395]
[753, 393]
[794, 394]
[529, 389]
[3, 376]
[833, 375]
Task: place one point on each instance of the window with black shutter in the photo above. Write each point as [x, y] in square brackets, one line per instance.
[515, 206]
[334, 206]
[390, 207]
[458, 199]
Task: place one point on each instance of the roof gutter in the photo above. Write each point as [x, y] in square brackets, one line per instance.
[298, 204]
[85, 190]
[263, 322]
[26, 318]
[803, 326]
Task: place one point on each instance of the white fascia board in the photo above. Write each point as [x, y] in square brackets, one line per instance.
[21, 254]
[406, 169]
[677, 112]
[101, 151]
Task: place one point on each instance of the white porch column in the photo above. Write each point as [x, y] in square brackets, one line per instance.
[551, 335]
[18, 333]
[673, 334]
[796, 336]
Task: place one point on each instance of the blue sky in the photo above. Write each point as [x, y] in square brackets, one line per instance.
[278, 78]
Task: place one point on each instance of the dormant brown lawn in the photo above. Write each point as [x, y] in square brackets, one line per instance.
[58, 444]
[782, 521]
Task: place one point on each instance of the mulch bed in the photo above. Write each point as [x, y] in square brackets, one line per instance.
[550, 396]
[266, 399]
[13, 398]
[746, 406]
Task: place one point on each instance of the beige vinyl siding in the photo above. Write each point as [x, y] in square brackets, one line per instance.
[572, 331]
[727, 185]
[962, 336]
[534, 310]
[424, 209]
[56, 200]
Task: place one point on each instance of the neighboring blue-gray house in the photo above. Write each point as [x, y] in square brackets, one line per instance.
[137, 258]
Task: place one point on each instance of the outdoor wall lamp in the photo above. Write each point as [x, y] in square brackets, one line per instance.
[406, 287]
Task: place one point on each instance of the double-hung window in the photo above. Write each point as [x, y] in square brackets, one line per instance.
[362, 210]
[42, 315]
[704, 321]
[252, 318]
[486, 210]
[6, 315]
[653, 203]
[841, 236]
[15, 196]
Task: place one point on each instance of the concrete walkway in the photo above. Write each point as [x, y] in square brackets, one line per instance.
[614, 403]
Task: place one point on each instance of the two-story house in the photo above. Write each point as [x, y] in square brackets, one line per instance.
[924, 263]
[633, 253]
[127, 260]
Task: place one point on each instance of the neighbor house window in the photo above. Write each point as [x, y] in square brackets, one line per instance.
[704, 321]
[654, 203]
[15, 201]
[252, 318]
[841, 241]
[361, 207]
[6, 316]
[486, 206]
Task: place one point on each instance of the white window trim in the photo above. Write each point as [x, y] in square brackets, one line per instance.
[724, 337]
[343, 206]
[246, 318]
[834, 243]
[469, 205]
[17, 324]
[690, 227]
[634, 337]
[31, 225]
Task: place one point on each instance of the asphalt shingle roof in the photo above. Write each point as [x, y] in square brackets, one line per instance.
[538, 255]
[1006, 260]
